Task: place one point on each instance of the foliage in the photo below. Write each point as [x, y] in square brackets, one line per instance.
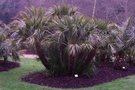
[7, 46]
[73, 42]
[68, 42]
[120, 43]
[32, 27]
[62, 10]
[126, 40]
[65, 44]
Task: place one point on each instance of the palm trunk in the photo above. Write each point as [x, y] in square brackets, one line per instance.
[5, 58]
[41, 55]
[89, 59]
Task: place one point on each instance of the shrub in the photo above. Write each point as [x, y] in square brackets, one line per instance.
[117, 43]
[65, 41]
[7, 46]
[122, 40]
[74, 44]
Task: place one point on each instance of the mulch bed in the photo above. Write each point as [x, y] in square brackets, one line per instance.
[6, 66]
[105, 74]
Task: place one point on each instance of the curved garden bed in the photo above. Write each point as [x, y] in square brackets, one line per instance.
[6, 66]
[105, 74]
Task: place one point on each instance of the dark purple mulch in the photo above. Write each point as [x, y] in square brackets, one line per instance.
[6, 66]
[104, 75]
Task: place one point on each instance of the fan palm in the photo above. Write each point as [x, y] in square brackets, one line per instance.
[62, 10]
[65, 43]
[121, 42]
[7, 48]
[32, 26]
[73, 42]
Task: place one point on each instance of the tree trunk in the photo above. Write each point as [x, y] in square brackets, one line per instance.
[5, 58]
[94, 9]
[41, 55]
[88, 60]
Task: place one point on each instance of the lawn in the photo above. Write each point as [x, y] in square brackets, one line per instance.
[12, 80]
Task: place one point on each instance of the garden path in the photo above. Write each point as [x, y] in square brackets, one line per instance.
[31, 56]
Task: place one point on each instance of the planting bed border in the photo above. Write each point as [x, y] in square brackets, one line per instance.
[6, 66]
[104, 75]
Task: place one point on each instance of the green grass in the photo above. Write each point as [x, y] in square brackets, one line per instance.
[12, 80]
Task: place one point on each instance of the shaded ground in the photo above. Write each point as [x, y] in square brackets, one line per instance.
[105, 74]
[6, 66]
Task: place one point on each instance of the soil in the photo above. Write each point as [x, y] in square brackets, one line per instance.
[105, 74]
